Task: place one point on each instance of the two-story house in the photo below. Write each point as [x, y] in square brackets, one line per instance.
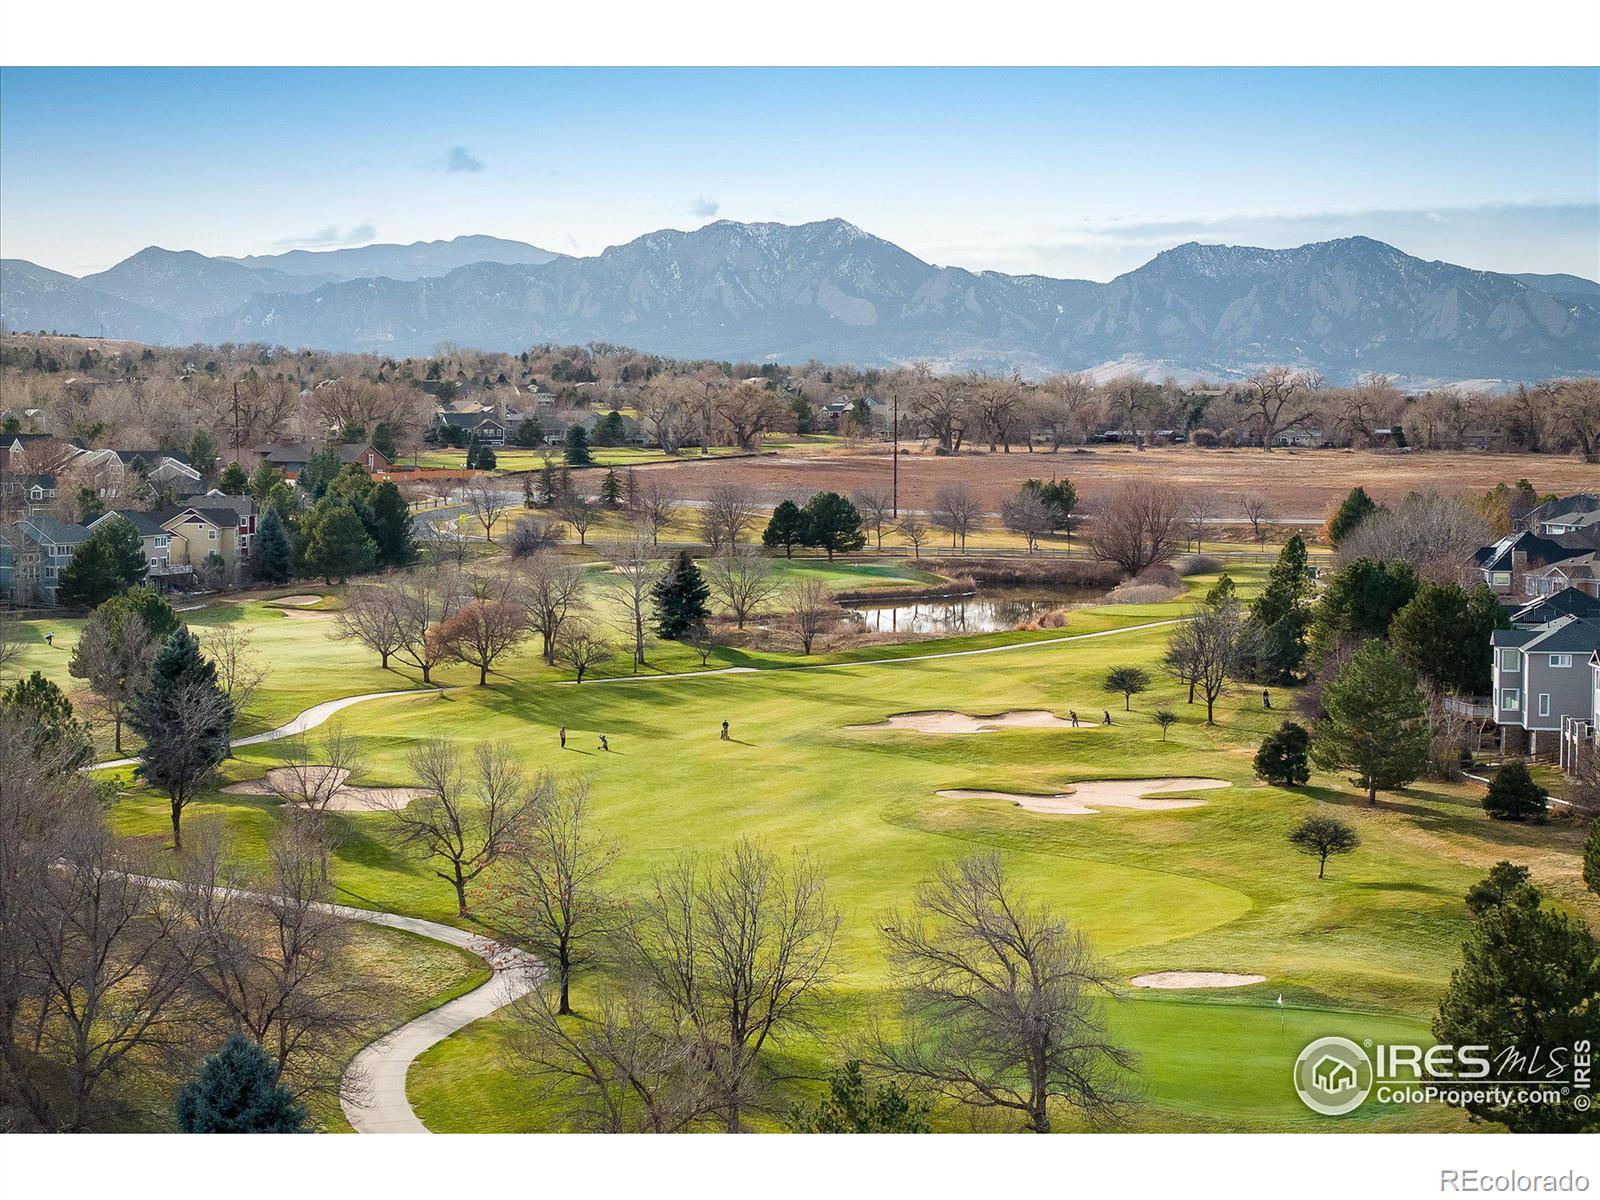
[33, 553]
[213, 523]
[1512, 566]
[1541, 677]
[157, 541]
[1580, 733]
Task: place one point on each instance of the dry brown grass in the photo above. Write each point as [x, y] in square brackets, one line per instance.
[1300, 484]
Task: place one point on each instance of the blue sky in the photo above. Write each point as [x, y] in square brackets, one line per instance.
[1071, 172]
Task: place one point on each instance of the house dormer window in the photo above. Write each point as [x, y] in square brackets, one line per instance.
[1510, 660]
[1561, 660]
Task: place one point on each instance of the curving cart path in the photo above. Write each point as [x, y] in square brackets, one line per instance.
[373, 1090]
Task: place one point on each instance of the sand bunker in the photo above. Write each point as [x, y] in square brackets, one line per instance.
[1089, 797]
[297, 601]
[945, 721]
[1195, 979]
[280, 780]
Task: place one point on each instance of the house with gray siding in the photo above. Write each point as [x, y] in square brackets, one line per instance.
[1541, 677]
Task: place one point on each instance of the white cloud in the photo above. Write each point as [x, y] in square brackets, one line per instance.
[704, 206]
[459, 158]
[332, 235]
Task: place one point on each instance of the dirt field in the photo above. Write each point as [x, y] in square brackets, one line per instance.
[1300, 484]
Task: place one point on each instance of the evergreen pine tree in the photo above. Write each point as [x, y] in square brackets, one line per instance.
[237, 1091]
[787, 528]
[1281, 615]
[549, 487]
[576, 451]
[833, 524]
[1354, 509]
[390, 526]
[233, 481]
[185, 721]
[1444, 632]
[680, 598]
[611, 489]
[271, 553]
[110, 561]
[1377, 721]
[336, 542]
[1514, 796]
[1283, 758]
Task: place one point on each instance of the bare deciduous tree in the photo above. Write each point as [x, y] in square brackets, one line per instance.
[1217, 631]
[579, 512]
[371, 618]
[1276, 399]
[550, 895]
[654, 506]
[487, 501]
[728, 513]
[1258, 511]
[1025, 514]
[874, 505]
[481, 631]
[812, 608]
[1002, 1001]
[1198, 515]
[1137, 525]
[551, 589]
[915, 531]
[957, 512]
[635, 568]
[742, 579]
[1432, 531]
[737, 949]
[580, 647]
[422, 599]
[467, 816]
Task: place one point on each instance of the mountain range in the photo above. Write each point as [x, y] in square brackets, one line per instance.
[830, 291]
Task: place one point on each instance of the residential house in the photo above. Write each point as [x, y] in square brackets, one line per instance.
[632, 431]
[33, 553]
[1580, 573]
[211, 523]
[1580, 733]
[364, 454]
[37, 493]
[1513, 565]
[1540, 678]
[157, 541]
[288, 457]
[30, 453]
[1569, 602]
[474, 426]
[1566, 515]
[1299, 437]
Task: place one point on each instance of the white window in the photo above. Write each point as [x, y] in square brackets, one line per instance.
[1544, 704]
[1499, 578]
[1561, 660]
[1510, 660]
[1510, 698]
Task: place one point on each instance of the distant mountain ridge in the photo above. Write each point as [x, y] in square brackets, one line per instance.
[831, 291]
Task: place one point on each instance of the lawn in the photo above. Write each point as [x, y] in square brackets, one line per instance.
[511, 458]
[1366, 951]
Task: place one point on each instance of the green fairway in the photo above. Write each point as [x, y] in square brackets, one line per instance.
[1214, 887]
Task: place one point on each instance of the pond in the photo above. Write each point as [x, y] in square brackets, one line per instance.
[987, 611]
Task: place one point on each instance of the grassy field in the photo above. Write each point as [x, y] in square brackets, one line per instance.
[511, 458]
[1364, 953]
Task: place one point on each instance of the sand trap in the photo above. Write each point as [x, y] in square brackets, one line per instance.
[297, 601]
[345, 799]
[1195, 979]
[306, 614]
[945, 721]
[1089, 797]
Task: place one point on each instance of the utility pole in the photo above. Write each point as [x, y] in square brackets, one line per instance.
[894, 456]
[235, 420]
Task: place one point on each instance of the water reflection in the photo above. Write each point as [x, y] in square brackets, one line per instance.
[986, 612]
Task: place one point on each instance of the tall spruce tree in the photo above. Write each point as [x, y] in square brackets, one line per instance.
[271, 554]
[336, 544]
[390, 527]
[576, 448]
[1443, 634]
[680, 598]
[237, 1091]
[110, 561]
[1377, 724]
[611, 489]
[1353, 509]
[185, 719]
[1281, 615]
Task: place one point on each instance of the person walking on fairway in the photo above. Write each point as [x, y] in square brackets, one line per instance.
[563, 737]
[724, 731]
[1073, 713]
[1266, 698]
[1108, 716]
[604, 745]
[50, 639]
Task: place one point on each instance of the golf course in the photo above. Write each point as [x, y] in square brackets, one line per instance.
[1191, 879]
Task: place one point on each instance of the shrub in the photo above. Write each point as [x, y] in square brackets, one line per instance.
[1284, 758]
[1514, 796]
[1142, 593]
[530, 535]
[1196, 564]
